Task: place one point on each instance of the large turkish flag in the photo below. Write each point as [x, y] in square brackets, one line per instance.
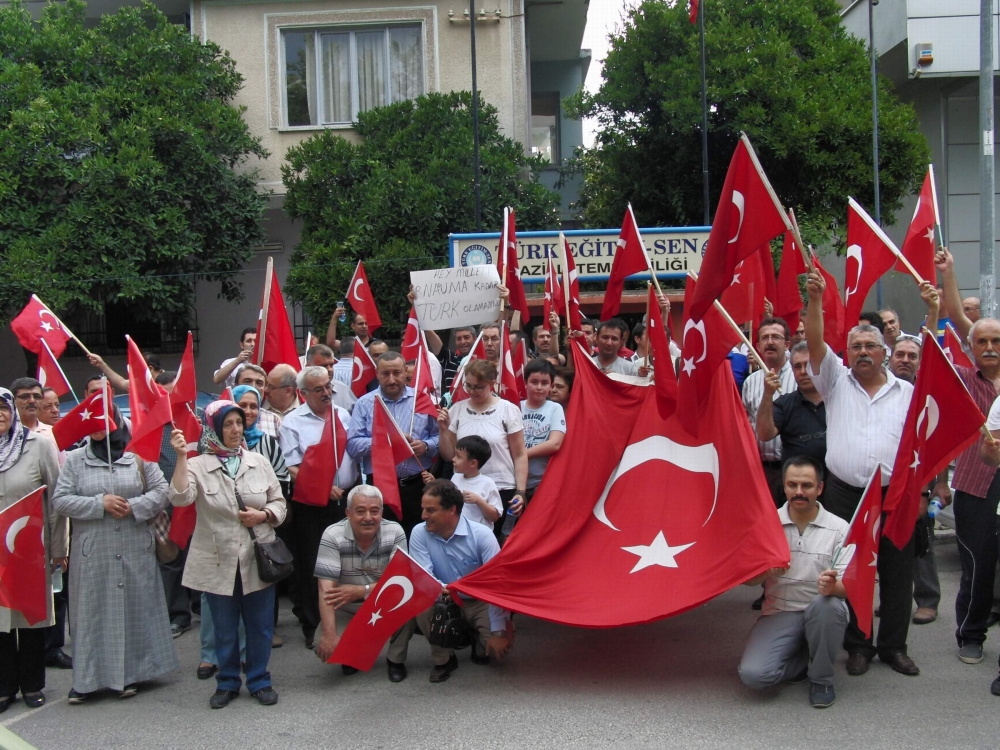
[657, 523]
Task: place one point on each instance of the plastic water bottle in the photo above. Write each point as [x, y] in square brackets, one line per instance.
[57, 579]
[508, 523]
[343, 315]
[933, 508]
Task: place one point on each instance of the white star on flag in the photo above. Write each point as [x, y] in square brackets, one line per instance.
[916, 460]
[658, 552]
[376, 616]
[930, 235]
[689, 366]
[85, 415]
[736, 280]
[46, 326]
[874, 562]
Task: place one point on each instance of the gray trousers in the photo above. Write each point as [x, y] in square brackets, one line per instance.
[926, 588]
[474, 612]
[783, 644]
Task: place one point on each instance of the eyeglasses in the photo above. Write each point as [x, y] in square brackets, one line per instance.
[29, 397]
[469, 387]
[491, 339]
[319, 390]
[772, 337]
[856, 348]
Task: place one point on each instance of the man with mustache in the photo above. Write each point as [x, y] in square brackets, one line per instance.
[866, 409]
[772, 343]
[977, 488]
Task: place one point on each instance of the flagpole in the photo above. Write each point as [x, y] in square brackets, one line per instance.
[63, 325]
[265, 304]
[937, 211]
[561, 252]
[107, 429]
[416, 384]
[649, 313]
[336, 453]
[885, 239]
[309, 334]
[798, 239]
[837, 555]
[704, 118]
[396, 425]
[649, 263]
[63, 374]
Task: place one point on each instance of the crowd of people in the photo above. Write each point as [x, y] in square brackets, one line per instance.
[822, 423]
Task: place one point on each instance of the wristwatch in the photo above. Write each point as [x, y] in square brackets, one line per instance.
[499, 633]
[368, 589]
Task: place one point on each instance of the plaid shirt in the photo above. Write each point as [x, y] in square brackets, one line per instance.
[340, 559]
[269, 422]
[971, 474]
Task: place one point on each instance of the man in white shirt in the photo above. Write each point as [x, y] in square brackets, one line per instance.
[225, 373]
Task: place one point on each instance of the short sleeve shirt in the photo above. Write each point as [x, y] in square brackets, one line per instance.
[340, 559]
[538, 424]
[483, 486]
[493, 426]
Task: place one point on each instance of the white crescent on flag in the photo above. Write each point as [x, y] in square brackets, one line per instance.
[14, 530]
[404, 583]
[854, 251]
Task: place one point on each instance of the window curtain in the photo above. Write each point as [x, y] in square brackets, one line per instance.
[371, 69]
[336, 78]
[405, 64]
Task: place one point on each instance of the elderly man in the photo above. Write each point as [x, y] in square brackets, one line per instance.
[280, 390]
[977, 487]
[48, 412]
[970, 308]
[609, 342]
[300, 430]
[804, 617]
[28, 397]
[321, 355]
[890, 322]
[423, 434]
[449, 546]
[865, 411]
[772, 343]
[353, 554]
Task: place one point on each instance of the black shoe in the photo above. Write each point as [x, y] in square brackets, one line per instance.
[799, 678]
[348, 670]
[994, 688]
[478, 658]
[223, 698]
[993, 619]
[757, 603]
[6, 703]
[311, 643]
[58, 659]
[857, 664]
[443, 672]
[75, 698]
[177, 630]
[205, 672]
[821, 696]
[34, 700]
[901, 663]
[397, 672]
[267, 696]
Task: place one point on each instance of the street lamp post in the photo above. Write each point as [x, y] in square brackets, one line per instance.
[475, 120]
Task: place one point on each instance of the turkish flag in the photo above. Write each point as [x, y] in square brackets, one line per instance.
[510, 267]
[423, 385]
[928, 445]
[361, 298]
[364, 371]
[149, 406]
[85, 419]
[788, 298]
[24, 570]
[377, 618]
[744, 298]
[663, 376]
[317, 471]
[870, 254]
[630, 258]
[478, 351]
[520, 359]
[919, 245]
[411, 337]
[953, 348]
[620, 541]
[183, 398]
[553, 295]
[508, 386]
[50, 374]
[859, 575]
[389, 448]
[32, 326]
[575, 321]
[705, 344]
[274, 331]
[834, 329]
[748, 216]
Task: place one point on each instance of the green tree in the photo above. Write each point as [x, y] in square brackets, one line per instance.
[392, 199]
[121, 162]
[783, 71]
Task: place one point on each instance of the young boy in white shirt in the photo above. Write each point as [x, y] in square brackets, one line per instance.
[482, 498]
[544, 421]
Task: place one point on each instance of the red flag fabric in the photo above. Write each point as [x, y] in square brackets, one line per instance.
[659, 347]
[478, 351]
[183, 398]
[630, 258]
[277, 338]
[149, 406]
[379, 617]
[870, 254]
[317, 471]
[389, 447]
[788, 298]
[411, 337]
[747, 217]
[705, 345]
[834, 329]
[693, 10]
[859, 575]
[507, 385]
[35, 323]
[928, 445]
[84, 419]
[361, 298]
[510, 267]
[953, 348]
[520, 359]
[553, 295]
[24, 570]
[575, 321]
[364, 371]
[744, 298]
[919, 245]
[617, 539]
[50, 374]
[423, 385]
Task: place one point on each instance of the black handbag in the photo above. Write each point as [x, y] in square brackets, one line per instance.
[448, 628]
[274, 560]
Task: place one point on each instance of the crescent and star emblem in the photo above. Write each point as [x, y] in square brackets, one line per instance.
[854, 251]
[14, 530]
[932, 414]
[355, 291]
[740, 202]
[405, 584]
[691, 363]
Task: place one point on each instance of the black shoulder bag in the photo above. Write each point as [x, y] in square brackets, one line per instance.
[274, 561]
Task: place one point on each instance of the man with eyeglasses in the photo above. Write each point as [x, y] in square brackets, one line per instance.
[866, 409]
[280, 392]
[772, 343]
[28, 397]
[301, 429]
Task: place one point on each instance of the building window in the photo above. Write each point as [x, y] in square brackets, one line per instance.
[333, 74]
[545, 127]
[105, 333]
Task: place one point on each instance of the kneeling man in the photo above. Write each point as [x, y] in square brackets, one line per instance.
[353, 554]
[804, 616]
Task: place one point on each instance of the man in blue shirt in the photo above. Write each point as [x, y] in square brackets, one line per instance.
[450, 547]
[420, 429]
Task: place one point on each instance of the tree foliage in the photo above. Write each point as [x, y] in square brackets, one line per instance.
[783, 71]
[120, 162]
[392, 199]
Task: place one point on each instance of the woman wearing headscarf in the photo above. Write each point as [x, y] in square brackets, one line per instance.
[248, 398]
[221, 560]
[27, 461]
[120, 625]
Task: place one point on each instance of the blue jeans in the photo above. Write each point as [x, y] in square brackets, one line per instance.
[257, 612]
[207, 634]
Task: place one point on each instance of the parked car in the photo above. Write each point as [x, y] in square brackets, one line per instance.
[121, 401]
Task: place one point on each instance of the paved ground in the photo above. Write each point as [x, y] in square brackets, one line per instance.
[671, 684]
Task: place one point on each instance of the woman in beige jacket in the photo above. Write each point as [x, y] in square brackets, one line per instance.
[221, 560]
[27, 461]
